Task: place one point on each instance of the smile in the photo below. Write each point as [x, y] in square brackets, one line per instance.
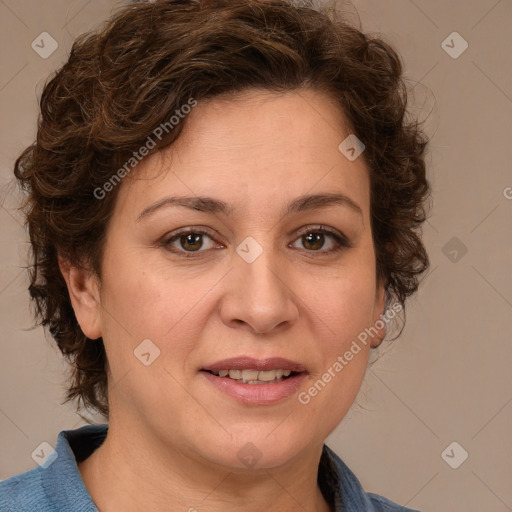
[254, 376]
[256, 392]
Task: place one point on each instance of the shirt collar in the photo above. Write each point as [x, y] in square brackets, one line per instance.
[72, 447]
[340, 486]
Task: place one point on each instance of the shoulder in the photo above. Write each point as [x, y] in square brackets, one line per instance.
[24, 492]
[345, 491]
[56, 484]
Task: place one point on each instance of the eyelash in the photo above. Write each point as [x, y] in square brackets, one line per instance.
[340, 241]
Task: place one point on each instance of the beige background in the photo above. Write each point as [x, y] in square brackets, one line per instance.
[448, 378]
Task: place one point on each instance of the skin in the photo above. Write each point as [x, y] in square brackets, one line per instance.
[173, 437]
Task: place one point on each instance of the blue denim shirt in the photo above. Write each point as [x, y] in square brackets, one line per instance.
[58, 486]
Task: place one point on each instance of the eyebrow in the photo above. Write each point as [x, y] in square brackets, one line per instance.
[216, 206]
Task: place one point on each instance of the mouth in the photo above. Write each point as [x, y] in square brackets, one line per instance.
[249, 376]
[256, 381]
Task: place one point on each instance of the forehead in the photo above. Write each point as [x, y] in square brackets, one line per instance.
[252, 147]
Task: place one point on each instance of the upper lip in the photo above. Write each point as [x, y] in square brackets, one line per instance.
[250, 363]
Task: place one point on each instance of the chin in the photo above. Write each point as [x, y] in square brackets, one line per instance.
[258, 449]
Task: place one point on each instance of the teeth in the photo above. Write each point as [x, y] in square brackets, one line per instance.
[255, 376]
[248, 374]
[266, 376]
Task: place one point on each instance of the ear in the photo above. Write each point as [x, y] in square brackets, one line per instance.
[83, 288]
[379, 308]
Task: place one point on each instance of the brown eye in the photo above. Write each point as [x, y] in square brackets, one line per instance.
[323, 241]
[313, 241]
[191, 241]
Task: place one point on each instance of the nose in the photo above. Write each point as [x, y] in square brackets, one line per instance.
[259, 296]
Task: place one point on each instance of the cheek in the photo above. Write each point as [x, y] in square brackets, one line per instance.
[140, 305]
[341, 313]
[345, 302]
[145, 301]
[144, 304]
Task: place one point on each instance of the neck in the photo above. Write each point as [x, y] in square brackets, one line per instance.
[130, 472]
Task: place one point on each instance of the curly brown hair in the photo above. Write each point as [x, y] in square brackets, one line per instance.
[131, 75]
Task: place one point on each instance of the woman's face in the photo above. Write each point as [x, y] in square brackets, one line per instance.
[253, 270]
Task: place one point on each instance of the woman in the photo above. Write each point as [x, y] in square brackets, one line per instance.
[223, 204]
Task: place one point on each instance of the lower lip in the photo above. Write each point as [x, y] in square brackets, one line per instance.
[257, 394]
